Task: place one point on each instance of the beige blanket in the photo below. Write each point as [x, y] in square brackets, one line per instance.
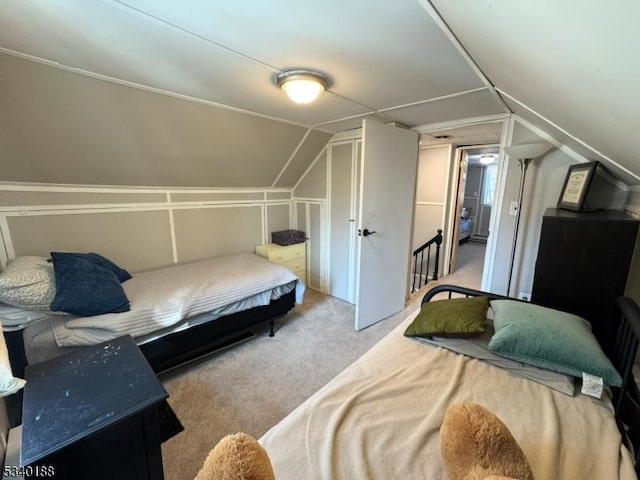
[380, 419]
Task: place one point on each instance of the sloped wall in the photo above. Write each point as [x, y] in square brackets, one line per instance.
[58, 126]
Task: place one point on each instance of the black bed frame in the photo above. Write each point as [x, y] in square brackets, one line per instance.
[171, 350]
[190, 344]
[178, 348]
[626, 399]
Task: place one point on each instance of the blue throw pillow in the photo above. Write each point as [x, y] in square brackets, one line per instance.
[85, 288]
[98, 259]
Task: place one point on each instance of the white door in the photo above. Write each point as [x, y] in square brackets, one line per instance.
[387, 193]
[342, 214]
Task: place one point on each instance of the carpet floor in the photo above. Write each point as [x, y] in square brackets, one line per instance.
[251, 386]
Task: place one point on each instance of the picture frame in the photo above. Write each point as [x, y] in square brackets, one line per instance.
[576, 186]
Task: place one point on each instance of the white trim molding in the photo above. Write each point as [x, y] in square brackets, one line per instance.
[167, 204]
[464, 122]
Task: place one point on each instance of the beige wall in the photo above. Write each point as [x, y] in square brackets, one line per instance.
[313, 183]
[314, 143]
[57, 126]
[210, 232]
[434, 164]
[544, 180]
[135, 240]
[138, 229]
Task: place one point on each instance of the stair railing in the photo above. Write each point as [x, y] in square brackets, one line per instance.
[418, 262]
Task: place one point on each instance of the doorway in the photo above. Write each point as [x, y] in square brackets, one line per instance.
[475, 199]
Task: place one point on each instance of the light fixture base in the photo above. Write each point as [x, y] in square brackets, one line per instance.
[302, 85]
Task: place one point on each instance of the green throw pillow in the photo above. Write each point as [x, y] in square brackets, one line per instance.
[455, 317]
[549, 339]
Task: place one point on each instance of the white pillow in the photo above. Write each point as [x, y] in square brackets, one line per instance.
[8, 383]
[28, 282]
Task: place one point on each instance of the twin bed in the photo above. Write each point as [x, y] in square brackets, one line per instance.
[177, 313]
[380, 418]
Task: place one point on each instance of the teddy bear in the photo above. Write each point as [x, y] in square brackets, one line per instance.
[477, 445]
[237, 457]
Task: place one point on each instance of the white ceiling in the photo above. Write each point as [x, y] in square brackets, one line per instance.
[569, 71]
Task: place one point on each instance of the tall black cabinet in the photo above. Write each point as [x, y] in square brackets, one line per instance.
[583, 263]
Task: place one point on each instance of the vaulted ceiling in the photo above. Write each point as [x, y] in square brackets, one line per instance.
[564, 69]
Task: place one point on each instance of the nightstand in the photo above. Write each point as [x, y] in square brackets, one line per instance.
[291, 256]
[93, 413]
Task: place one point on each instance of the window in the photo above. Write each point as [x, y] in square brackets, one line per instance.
[489, 184]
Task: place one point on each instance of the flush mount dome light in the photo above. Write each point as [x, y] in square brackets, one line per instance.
[302, 86]
[487, 158]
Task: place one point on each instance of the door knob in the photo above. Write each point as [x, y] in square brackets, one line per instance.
[366, 232]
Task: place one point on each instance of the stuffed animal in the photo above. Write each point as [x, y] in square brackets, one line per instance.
[476, 445]
[237, 457]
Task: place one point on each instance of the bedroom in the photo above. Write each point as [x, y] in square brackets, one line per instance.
[129, 110]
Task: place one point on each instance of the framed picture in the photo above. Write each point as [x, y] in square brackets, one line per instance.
[576, 185]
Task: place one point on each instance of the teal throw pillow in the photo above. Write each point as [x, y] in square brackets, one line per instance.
[550, 339]
[455, 317]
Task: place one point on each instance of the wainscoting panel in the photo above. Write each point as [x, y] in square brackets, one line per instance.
[278, 218]
[138, 227]
[135, 240]
[428, 219]
[209, 232]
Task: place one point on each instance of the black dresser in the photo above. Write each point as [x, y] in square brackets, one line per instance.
[583, 263]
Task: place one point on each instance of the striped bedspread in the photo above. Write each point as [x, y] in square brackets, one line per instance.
[163, 297]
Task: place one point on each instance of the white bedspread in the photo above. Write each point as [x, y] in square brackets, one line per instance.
[380, 420]
[163, 297]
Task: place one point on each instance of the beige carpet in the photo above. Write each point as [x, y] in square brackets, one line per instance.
[253, 385]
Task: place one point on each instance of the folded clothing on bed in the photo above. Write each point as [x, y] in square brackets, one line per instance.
[163, 297]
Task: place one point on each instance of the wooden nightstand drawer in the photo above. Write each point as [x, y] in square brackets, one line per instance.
[292, 256]
[285, 254]
[298, 267]
[280, 254]
[299, 264]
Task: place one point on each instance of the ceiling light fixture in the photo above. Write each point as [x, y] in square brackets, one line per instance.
[302, 86]
[487, 158]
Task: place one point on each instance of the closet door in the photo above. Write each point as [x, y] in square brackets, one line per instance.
[342, 220]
